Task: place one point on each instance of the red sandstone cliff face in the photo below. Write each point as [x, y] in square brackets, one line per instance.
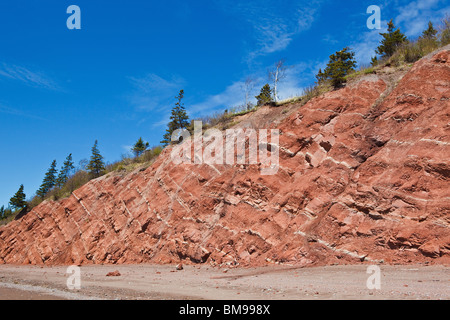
[364, 176]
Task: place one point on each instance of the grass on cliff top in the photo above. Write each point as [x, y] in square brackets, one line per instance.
[225, 120]
[81, 177]
[129, 163]
[308, 93]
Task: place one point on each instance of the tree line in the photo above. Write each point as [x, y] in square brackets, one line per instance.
[340, 65]
[55, 180]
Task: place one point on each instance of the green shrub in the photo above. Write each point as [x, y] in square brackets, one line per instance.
[265, 95]
[9, 215]
[34, 202]
[444, 31]
[341, 64]
[413, 51]
[214, 119]
[151, 154]
[370, 70]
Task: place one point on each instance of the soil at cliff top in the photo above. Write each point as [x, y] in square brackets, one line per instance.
[263, 283]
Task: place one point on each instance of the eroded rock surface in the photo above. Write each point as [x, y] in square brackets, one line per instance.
[364, 176]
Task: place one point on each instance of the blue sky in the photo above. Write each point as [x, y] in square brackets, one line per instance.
[115, 79]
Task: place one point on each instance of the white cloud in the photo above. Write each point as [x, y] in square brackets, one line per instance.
[7, 110]
[152, 82]
[232, 96]
[152, 91]
[412, 19]
[274, 26]
[366, 45]
[416, 15]
[126, 148]
[156, 94]
[328, 38]
[297, 78]
[31, 78]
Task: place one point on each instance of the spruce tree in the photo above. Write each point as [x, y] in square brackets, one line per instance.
[391, 41]
[430, 32]
[49, 181]
[374, 61]
[265, 95]
[18, 200]
[321, 77]
[2, 212]
[340, 64]
[64, 174]
[96, 166]
[179, 120]
[139, 147]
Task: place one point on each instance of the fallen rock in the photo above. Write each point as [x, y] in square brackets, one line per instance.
[114, 274]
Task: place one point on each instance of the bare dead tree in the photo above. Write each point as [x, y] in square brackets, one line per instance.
[277, 75]
[248, 87]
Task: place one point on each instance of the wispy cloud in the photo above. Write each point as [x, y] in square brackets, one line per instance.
[154, 93]
[366, 44]
[274, 26]
[152, 82]
[297, 77]
[127, 148]
[27, 76]
[231, 96]
[328, 38]
[412, 19]
[416, 15]
[7, 110]
[152, 90]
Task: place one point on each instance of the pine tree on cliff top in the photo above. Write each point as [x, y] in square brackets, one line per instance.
[139, 147]
[179, 120]
[65, 171]
[18, 200]
[340, 64]
[391, 41]
[49, 181]
[430, 32]
[265, 95]
[96, 166]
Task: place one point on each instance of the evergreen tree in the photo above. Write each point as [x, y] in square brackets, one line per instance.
[8, 212]
[18, 200]
[340, 64]
[49, 181]
[374, 61]
[5, 213]
[321, 77]
[96, 166]
[139, 147]
[65, 171]
[179, 120]
[265, 96]
[429, 33]
[391, 41]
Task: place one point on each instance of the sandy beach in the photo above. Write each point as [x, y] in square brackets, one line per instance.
[158, 282]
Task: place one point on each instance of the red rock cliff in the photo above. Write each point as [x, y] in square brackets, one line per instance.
[364, 176]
